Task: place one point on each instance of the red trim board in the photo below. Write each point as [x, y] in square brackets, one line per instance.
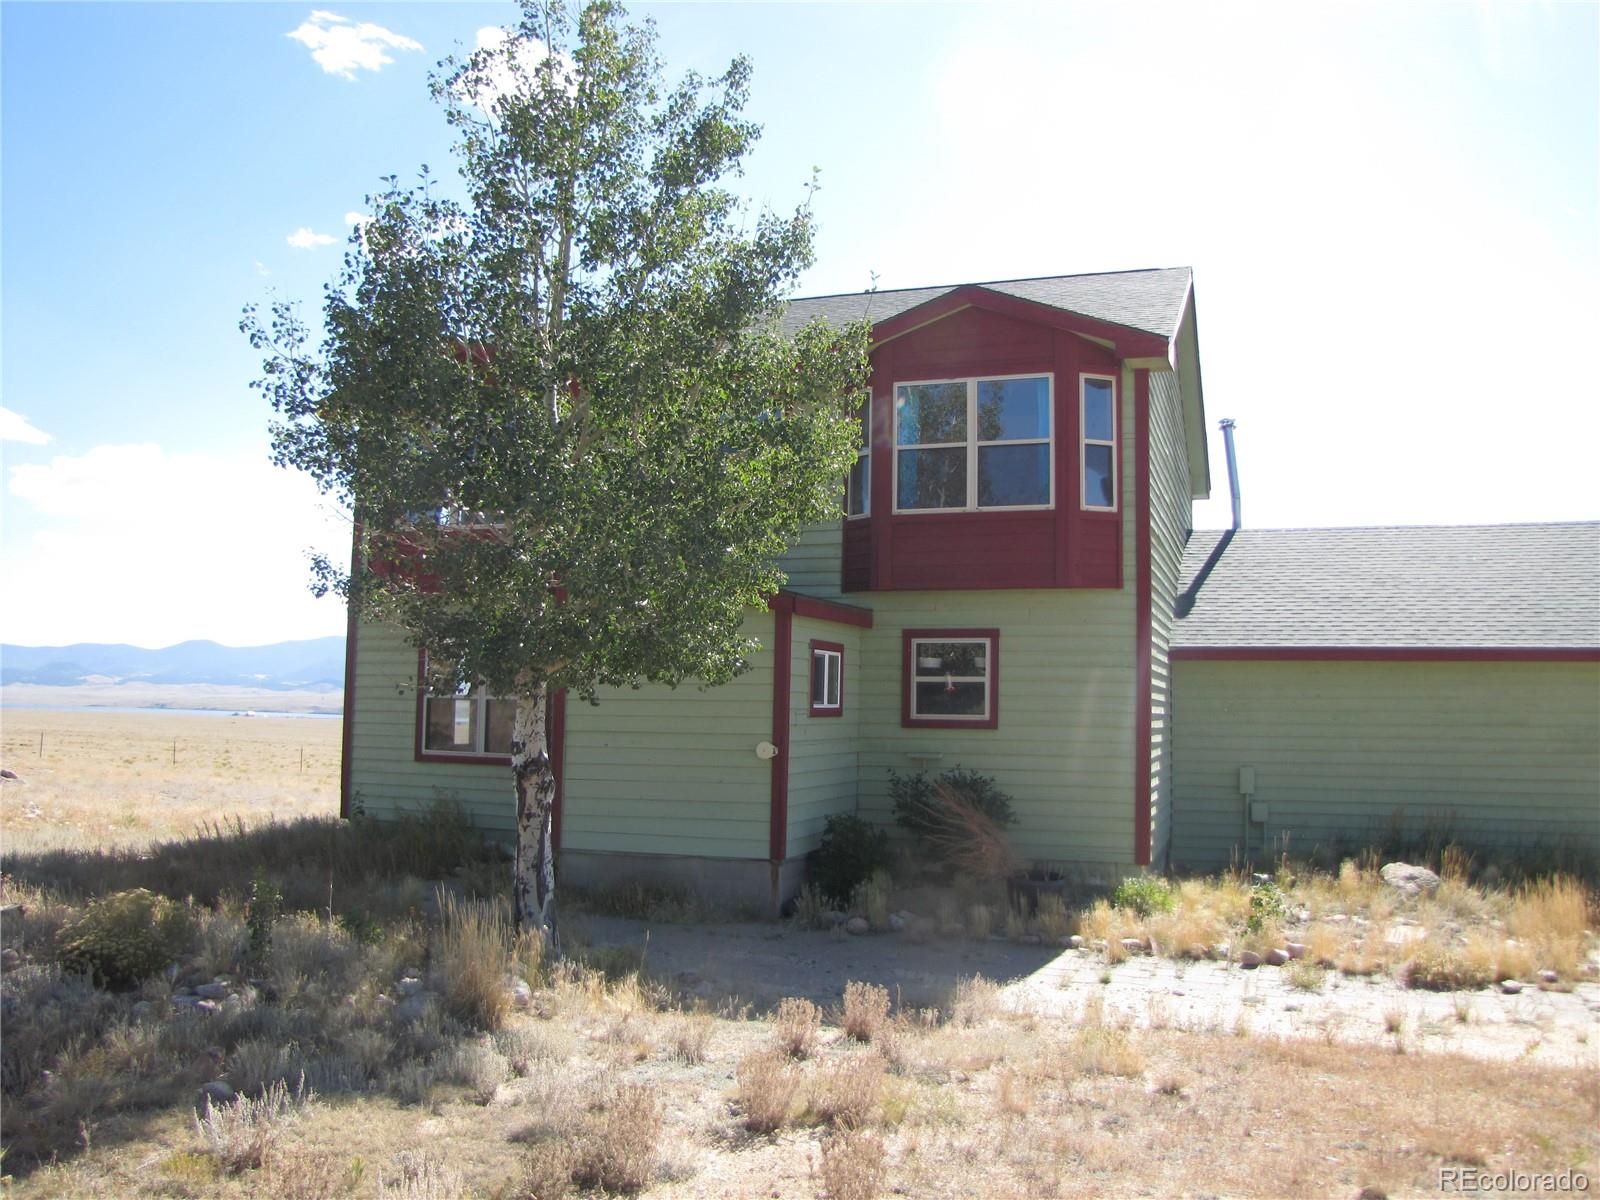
[1385, 654]
[819, 609]
[347, 732]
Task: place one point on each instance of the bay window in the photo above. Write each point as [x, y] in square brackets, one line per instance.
[858, 491]
[1098, 464]
[969, 444]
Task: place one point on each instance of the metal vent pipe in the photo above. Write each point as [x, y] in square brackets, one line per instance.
[1226, 425]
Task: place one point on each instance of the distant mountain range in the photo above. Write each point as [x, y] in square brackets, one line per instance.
[314, 664]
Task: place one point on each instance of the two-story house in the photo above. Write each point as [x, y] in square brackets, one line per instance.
[1004, 592]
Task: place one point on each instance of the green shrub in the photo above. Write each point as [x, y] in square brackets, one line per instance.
[127, 937]
[1266, 907]
[851, 850]
[1143, 894]
[958, 819]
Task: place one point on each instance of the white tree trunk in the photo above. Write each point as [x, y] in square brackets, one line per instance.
[533, 884]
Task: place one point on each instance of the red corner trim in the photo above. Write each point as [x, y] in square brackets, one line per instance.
[1127, 342]
[782, 648]
[820, 610]
[347, 732]
[1385, 654]
[1142, 633]
[907, 675]
[812, 709]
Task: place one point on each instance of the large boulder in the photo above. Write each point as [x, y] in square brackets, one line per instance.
[1409, 880]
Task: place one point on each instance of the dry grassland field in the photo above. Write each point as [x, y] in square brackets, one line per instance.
[126, 778]
[305, 1009]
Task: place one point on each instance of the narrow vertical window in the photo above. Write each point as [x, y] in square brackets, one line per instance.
[1099, 437]
[827, 679]
[858, 492]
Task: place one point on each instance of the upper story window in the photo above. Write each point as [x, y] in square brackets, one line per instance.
[858, 492]
[969, 444]
[1098, 397]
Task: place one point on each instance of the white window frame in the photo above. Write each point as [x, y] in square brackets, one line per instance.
[1085, 441]
[987, 678]
[972, 445]
[864, 458]
[832, 671]
[478, 698]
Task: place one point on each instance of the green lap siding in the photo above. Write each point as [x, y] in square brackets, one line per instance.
[1495, 754]
[1064, 745]
[385, 778]
[673, 771]
[813, 562]
[822, 750]
[1169, 531]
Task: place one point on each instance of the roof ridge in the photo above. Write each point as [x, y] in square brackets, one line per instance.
[1389, 528]
[935, 287]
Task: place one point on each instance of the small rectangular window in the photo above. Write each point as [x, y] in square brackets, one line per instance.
[827, 679]
[463, 724]
[950, 677]
[1099, 458]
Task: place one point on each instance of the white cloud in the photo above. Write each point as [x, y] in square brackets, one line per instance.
[262, 269]
[502, 74]
[341, 47]
[357, 218]
[305, 238]
[14, 427]
[137, 544]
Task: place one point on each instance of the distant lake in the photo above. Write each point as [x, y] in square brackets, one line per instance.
[177, 712]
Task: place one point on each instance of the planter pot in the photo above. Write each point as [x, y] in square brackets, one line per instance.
[930, 664]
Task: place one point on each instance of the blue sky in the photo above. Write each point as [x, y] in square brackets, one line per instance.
[1391, 212]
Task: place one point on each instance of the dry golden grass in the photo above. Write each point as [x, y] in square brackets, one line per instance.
[768, 1090]
[796, 1023]
[865, 1012]
[110, 779]
[853, 1166]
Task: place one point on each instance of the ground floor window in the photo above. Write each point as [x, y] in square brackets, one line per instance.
[950, 678]
[466, 723]
[827, 679]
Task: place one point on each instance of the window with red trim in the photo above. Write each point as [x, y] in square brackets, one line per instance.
[467, 724]
[827, 679]
[951, 678]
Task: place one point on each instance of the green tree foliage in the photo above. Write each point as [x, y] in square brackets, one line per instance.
[850, 851]
[563, 409]
[127, 937]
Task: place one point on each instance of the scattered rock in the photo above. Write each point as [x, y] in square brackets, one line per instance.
[10, 960]
[409, 986]
[1198, 951]
[1075, 941]
[897, 922]
[213, 1094]
[1260, 877]
[1336, 918]
[142, 1010]
[1133, 945]
[1249, 958]
[1221, 950]
[1549, 976]
[7, 773]
[233, 1004]
[856, 926]
[521, 995]
[1401, 935]
[1409, 880]
[1510, 986]
[1277, 956]
[1296, 949]
[216, 990]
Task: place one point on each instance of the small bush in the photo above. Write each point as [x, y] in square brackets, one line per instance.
[974, 1001]
[421, 1175]
[866, 1009]
[847, 1095]
[240, 1135]
[127, 937]
[959, 818]
[615, 1149]
[797, 1022]
[1447, 969]
[1267, 908]
[1103, 1050]
[477, 1066]
[850, 852]
[853, 1166]
[472, 959]
[767, 1090]
[688, 1035]
[525, 1046]
[1145, 895]
[871, 899]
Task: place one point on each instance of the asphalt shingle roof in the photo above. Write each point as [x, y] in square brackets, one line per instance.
[1150, 300]
[1447, 586]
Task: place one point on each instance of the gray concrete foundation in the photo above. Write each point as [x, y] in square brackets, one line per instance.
[753, 883]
